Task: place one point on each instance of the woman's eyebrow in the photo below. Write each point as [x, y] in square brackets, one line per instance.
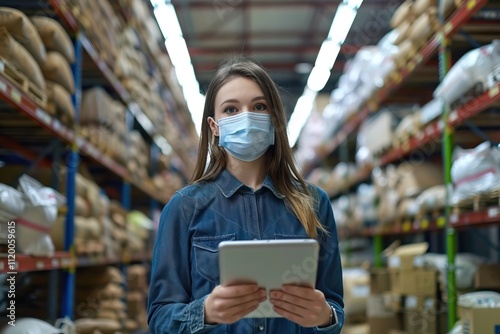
[230, 101]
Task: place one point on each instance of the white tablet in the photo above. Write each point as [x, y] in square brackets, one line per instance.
[270, 264]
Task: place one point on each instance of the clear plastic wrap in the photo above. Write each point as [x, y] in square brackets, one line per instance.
[475, 172]
[465, 268]
[431, 110]
[471, 75]
[432, 198]
[480, 299]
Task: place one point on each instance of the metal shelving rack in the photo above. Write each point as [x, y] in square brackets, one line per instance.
[450, 222]
[77, 147]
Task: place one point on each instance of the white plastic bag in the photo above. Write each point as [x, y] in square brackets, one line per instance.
[471, 75]
[32, 326]
[475, 172]
[33, 226]
[11, 203]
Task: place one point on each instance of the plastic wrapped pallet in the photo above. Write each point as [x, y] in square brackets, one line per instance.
[471, 75]
[432, 198]
[475, 172]
[23, 30]
[408, 125]
[465, 266]
[20, 58]
[54, 37]
[408, 207]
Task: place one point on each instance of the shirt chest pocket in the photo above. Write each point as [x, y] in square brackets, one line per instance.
[206, 255]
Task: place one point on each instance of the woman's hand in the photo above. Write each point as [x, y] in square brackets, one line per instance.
[302, 305]
[228, 304]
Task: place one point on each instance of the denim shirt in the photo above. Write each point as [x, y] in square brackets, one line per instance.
[185, 266]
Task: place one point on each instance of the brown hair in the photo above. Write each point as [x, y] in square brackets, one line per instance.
[279, 157]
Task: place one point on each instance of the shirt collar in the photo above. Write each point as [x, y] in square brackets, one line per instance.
[228, 184]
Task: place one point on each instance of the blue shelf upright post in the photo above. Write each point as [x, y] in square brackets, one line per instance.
[72, 161]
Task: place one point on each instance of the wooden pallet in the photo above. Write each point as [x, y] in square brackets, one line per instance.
[22, 82]
[478, 203]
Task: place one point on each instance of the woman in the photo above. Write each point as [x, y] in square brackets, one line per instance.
[249, 190]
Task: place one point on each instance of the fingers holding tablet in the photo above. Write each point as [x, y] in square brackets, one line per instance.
[228, 304]
[302, 305]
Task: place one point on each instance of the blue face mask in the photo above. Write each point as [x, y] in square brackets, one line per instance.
[246, 136]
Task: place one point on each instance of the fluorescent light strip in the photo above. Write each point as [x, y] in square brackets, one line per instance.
[181, 61]
[327, 55]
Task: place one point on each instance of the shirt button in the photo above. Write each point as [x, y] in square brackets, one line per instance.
[261, 327]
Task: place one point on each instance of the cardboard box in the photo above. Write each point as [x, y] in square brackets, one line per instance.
[379, 281]
[420, 303]
[424, 322]
[487, 277]
[356, 329]
[384, 325]
[422, 282]
[480, 320]
[407, 257]
[377, 308]
[393, 301]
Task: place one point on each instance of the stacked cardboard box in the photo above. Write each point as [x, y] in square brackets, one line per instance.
[137, 295]
[414, 290]
[381, 318]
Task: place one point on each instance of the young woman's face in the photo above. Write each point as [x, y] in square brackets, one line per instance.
[239, 95]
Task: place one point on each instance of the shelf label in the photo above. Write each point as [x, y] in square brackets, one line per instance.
[411, 66]
[493, 212]
[43, 116]
[54, 263]
[406, 226]
[3, 86]
[494, 91]
[453, 116]
[429, 130]
[57, 126]
[424, 225]
[16, 96]
[448, 27]
[441, 222]
[471, 4]
[40, 265]
[453, 218]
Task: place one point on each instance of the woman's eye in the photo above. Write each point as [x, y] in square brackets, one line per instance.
[230, 110]
[260, 107]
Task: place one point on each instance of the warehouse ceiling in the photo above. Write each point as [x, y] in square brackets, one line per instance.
[284, 36]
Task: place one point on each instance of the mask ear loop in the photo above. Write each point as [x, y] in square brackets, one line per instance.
[215, 133]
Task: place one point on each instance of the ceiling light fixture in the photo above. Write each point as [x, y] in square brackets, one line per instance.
[327, 55]
[179, 55]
